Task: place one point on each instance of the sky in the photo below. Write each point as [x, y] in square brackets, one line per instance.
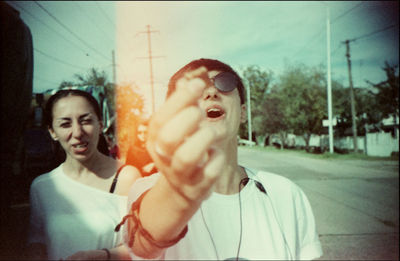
[70, 37]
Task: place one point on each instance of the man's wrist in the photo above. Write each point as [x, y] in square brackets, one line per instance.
[183, 202]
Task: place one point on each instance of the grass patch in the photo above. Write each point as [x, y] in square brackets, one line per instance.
[326, 155]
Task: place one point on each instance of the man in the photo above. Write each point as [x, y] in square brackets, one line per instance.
[202, 204]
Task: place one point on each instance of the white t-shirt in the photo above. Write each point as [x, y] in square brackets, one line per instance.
[279, 225]
[68, 216]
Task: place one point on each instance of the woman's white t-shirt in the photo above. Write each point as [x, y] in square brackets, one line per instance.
[68, 216]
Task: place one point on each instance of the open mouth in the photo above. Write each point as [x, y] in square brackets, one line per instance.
[80, 145]
[215, 112]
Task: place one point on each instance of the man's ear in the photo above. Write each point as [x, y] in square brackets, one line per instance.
[52, 134]
[243, 113]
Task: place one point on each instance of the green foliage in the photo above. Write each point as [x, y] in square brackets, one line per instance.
[297, 102]
[366, 112]
[302, 97]
[259, 82]
[387, 96]
[94, 77]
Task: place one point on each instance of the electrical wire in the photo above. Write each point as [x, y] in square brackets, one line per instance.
[345, 13]
[372, 33]
[322, 29]
[78, 6]
[58, 60]
[69, 30]
[111, 22]
[49, 27]
[45, 80]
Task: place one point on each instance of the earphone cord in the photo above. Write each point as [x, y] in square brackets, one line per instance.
[240, 237]
[209, 233]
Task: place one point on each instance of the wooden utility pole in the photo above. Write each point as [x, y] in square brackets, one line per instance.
[353, 107]
[150, 57]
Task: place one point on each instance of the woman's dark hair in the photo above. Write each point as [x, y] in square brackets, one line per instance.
[48, 111]
[48, 118]
[211, 65]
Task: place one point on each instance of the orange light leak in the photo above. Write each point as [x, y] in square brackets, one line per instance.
[175, 39]
[129, 110]
[133, 94]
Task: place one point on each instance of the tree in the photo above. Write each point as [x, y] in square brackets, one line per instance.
[366, 112]
[274, 116]
[259, 82]
[130, 106]
[95, 77]
[301, 91]
[387, 95]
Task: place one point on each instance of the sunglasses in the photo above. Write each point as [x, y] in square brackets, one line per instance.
[225, 81]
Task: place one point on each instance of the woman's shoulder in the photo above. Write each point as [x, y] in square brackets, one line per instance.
[126, 177]
[46, 177]
[129, 172]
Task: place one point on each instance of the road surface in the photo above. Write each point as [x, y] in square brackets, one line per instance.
[355, 202]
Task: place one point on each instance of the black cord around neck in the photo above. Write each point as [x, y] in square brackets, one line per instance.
[244, 181]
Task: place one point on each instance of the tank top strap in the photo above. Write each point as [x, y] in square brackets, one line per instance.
[114, 183]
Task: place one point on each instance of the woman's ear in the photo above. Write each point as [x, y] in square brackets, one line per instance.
[52, 134]
[243, 113]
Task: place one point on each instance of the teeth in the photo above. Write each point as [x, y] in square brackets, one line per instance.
[80, 145]
[214, 113]
[213, 110]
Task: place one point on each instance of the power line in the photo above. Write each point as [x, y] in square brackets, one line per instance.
[322, 29]
[69, 30]
[49, 27]
[58, 60]
[90, 18]
[111, 22]
[345, 13]
[45, 80]
[372, 33]
[105, 14]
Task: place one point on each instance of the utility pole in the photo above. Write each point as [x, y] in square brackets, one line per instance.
[353, 107]
[150, 57]
[329, 88]
[249, 116]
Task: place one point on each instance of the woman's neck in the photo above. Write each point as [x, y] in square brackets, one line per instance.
[80, 169]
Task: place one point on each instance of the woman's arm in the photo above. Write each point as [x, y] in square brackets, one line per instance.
[117, 253]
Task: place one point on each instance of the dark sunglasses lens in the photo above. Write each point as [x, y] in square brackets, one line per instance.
[225, 82]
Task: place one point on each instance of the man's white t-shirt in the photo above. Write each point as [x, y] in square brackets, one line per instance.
[277, 225]
[68, 216]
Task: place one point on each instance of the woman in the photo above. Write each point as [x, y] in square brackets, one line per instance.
[75, 207]
[137, 154]
[208, 206]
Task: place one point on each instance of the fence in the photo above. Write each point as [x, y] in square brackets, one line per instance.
[373, 144]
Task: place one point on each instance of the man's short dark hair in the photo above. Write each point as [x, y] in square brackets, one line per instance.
[211, 65]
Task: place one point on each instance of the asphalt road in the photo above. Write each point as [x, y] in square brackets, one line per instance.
[355, 202]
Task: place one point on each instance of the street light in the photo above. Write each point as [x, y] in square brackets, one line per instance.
[249, 115]
[328, 77]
